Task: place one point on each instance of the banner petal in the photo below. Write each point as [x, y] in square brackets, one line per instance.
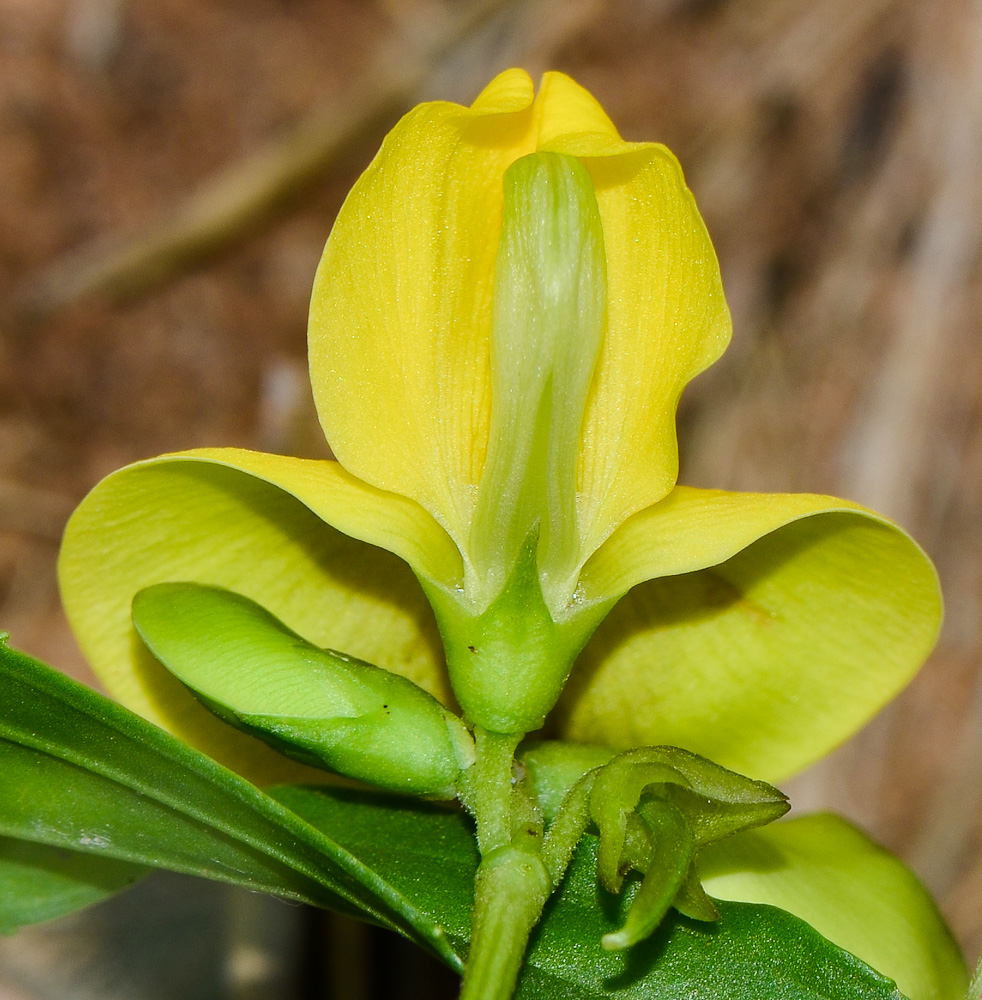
[401, 309]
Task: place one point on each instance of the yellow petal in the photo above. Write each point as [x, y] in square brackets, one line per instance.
[691, 529]
[570, 120]
[401, 310]
[257, 525]
[666, 321]
[508, 92]
[760, 654]
[387, 520]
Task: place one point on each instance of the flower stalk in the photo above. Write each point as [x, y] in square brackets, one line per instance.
[511, 889]
[512, 883]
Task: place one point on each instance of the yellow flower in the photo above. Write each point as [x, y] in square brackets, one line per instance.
[518, 459]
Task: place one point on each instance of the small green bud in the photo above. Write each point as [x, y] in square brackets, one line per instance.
[316, 705]
[655, 808]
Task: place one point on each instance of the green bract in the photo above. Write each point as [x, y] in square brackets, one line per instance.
[317, 705]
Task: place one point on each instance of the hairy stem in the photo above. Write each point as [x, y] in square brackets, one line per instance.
[489, 789]
[512, 887]
[512, 882]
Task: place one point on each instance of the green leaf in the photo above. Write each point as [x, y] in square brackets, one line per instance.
[79, 772]
[427, 851]
[754, 953]
[849, 888]
[38, 882]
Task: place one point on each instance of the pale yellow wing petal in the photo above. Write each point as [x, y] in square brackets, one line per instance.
[780, 631]
[849, 889]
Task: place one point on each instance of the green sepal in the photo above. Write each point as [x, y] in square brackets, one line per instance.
[614, 801]
[715, 801]
[666, 860]
[508, 663]
[693, 901]
[316, 705]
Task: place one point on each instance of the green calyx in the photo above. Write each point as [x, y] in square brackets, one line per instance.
[315, 705]
[509, 663]
[513, 629]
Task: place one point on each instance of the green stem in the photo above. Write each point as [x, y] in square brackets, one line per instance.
[512, 887]
[568, 827]
[512, 882]
[488, 796]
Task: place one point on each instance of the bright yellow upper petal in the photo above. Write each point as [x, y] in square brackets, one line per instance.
[667, 321]
[570, 120]
[508, 92]
[401, 310]
[260, 525]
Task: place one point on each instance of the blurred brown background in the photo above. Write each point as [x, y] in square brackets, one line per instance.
[169, 173]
